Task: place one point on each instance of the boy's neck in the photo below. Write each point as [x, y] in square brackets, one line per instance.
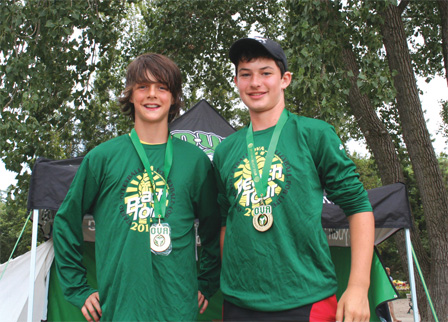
[264, 120]
[156, 133]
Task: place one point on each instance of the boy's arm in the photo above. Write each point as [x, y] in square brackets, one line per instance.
[209, 225]
[223, 203]
[354, 304]
[68, 237]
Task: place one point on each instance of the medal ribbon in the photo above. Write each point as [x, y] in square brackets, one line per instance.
[159, 206]
[261, 183]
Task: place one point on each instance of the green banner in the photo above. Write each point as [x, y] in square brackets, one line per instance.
[381, 289]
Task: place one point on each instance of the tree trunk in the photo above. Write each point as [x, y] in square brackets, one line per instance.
[389, 166]
[424, 161]
[443, 9]
[377, 136]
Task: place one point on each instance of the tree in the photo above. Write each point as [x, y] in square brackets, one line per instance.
[197, 38]
[11, 225]
[49, 54]
[334, 41]
[424, 162]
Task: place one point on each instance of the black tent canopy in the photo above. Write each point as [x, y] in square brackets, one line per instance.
[51, 180]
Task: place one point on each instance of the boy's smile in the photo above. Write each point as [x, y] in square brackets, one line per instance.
[261, 85]
[152, 101]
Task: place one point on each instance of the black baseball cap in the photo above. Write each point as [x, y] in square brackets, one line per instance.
[252, 44]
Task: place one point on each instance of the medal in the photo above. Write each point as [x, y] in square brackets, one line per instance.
[263, 218]
[262, 215]
[160, 238]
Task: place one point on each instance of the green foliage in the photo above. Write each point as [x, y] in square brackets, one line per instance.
[443, 163]
[416, 205]
[319, 88]
[197, 37]
[11, 224]
[444, 115]
[390, 258]
[422, 23]
[368, 171]
[49, 53]
[317, 33]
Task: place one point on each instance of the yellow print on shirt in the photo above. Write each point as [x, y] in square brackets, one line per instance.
[245, 186]
[139, 200]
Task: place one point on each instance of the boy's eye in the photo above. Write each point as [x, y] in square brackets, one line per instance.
[267, 73]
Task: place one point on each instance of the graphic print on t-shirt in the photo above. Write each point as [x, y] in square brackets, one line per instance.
[139, 199]
[244, 184]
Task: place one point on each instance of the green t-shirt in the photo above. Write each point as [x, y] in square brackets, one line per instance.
[289, 265]
[112, 185]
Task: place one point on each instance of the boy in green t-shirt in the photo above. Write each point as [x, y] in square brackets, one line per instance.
[145, 191]
[271, 176]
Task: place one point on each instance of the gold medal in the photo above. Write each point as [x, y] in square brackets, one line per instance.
[263, 218]
[160, 238]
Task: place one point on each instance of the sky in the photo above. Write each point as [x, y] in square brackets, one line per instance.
[433, 92]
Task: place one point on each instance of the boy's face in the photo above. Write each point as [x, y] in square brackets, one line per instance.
[261, 85]
[152, 101]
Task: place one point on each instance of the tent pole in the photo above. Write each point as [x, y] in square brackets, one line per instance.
[32, 265]
[411, 274]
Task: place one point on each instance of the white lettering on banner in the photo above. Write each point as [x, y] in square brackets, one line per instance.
[340, 236]
[91, 224]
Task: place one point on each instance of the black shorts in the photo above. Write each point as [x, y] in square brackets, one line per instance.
[322, 311]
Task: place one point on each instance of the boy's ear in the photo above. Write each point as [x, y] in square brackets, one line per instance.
[235, 80]
[286, 80]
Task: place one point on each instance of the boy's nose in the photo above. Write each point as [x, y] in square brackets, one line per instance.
[255, 81]
[151, 91]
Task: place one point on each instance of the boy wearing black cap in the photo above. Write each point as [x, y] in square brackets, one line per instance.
[271, 176]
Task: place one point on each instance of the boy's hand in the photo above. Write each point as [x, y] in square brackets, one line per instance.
[92, 306]
[202, 301]
[353, 306]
